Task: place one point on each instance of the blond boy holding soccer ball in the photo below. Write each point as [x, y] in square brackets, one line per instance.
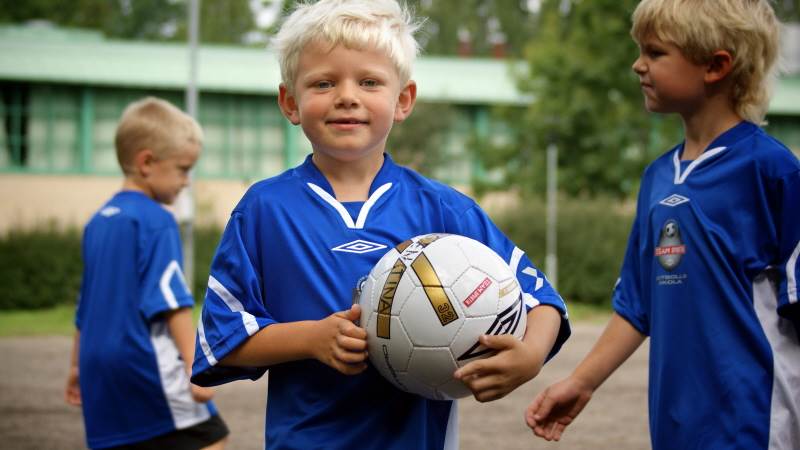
[279, 296]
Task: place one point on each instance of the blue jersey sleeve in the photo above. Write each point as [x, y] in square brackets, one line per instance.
[233, 309]
[627, 296]
[79, 309]
[789, 247]
[536, 289]
[163, 284]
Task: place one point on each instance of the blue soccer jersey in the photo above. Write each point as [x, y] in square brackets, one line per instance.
[134, 385]
[710, 274]
[292, 252]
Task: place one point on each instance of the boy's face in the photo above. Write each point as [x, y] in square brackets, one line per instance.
[165, 177]
[670, 82]
[346, 100]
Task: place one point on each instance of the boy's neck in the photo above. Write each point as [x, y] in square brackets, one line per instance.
[130, 183]
[350, 180]
[705, 124]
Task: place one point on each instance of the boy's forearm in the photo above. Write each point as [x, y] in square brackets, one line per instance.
[618, 341]
[275, 344]
[76, 343]
[182, 331]
[544, 322]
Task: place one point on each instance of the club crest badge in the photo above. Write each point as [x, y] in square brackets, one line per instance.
[670, 248]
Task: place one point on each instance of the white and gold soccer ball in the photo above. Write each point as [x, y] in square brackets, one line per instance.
[425, 304]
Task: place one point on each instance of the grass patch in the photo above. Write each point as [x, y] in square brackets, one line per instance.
[59, 320]
[587, 312]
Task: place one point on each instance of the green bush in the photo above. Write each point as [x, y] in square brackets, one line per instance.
[592, 236]
[42, 268]
[39, 268]
[205, 245]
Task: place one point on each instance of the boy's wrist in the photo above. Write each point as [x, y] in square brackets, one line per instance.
[584, 380]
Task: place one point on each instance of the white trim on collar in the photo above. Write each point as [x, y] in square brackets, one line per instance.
[365, 208]
[681, 177]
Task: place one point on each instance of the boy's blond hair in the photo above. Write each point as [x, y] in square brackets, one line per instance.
[355, 24]
[157, 125]
[748, 29]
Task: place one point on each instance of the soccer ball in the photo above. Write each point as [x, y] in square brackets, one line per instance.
[426, 302]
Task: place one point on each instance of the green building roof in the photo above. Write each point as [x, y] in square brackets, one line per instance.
[57, 55]
[46, 54]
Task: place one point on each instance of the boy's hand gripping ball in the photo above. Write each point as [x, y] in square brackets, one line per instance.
[425, 304]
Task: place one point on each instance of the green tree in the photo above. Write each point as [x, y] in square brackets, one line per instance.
[221, 21]
[587, 101]
[787, 10]
[481, 24]
[474, 27]
[418, 141]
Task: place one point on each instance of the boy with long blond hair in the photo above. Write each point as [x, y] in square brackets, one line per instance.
[711, 269]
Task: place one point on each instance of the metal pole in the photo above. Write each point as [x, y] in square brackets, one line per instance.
[551, 259]
[185, 204]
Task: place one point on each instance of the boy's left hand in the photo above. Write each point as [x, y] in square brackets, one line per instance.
[492, 378]
[72, 392]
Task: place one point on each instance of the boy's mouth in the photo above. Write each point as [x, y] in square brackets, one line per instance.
[347, 121]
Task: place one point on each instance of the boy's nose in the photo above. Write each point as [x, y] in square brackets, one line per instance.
[638, 66]
[346, 96]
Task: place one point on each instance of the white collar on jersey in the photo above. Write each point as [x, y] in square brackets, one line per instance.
[362, 215]
[681, 177]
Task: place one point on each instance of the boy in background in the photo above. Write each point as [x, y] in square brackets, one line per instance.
[279, 294]
[711, 269]
[134, 342]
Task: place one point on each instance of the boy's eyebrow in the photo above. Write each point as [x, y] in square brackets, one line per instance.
[364, 72]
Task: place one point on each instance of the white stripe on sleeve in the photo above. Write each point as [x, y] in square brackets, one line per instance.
[172, 269]
[234, 304]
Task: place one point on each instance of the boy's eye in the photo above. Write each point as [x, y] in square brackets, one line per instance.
[369, 83]
[653, 52]
[323, 84]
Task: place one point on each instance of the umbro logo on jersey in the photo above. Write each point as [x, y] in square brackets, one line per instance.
[358, 246]
[674, 200]
[109, 211]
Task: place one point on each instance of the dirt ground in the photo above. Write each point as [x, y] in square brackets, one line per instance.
[34, 416]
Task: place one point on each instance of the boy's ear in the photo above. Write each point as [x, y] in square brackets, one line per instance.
[288, 104]
[720, 66]
[143, 162]
[405, 101]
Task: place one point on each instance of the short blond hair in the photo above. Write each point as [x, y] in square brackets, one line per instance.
[747, 29]
[154, 124]
[357, 24]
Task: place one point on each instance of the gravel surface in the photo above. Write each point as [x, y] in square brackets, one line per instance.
[35, 417]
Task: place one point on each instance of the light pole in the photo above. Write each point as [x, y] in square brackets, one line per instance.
[184, 208]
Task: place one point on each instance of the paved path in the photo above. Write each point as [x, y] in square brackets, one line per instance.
[34, 416]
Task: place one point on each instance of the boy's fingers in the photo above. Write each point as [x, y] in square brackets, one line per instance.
[351, 358]
[498, 342]
[354, 313]
[351, 369]
[544, 406]
[534, 406]
[530, 411]
[470, 370]
[353, 331]
[352, 344]
[489, 395]
[558, 430]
